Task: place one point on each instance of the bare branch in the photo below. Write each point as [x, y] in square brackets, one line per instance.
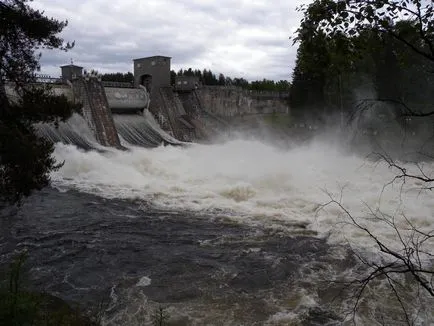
[406, 261]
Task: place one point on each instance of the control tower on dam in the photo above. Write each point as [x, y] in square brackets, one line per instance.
[150, 110]
[153, 73]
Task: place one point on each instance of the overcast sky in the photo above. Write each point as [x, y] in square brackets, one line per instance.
[239, 38]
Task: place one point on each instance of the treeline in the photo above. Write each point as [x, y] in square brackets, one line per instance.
[207, 77]
[118, 77]
[333, 73]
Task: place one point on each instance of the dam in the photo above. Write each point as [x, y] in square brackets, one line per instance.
[149, 111]
[233, 233]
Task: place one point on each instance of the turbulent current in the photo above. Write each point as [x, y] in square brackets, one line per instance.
[142, 130]
[134, 130]
[239, 233]
[252, 182]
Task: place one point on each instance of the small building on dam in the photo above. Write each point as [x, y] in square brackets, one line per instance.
[186, 111]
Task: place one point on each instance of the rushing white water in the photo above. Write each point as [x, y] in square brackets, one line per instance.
[141, 130]
[256, 183]
[74, 131]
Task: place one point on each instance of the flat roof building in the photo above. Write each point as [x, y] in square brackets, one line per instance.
[71, 71]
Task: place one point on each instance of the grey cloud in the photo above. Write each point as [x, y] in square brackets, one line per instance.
[235, 37]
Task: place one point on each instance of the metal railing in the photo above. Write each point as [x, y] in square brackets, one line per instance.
[47, 79]
[41, 78]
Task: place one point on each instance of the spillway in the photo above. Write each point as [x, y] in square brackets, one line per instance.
[142, 130]
[134, 130]
[74, 131]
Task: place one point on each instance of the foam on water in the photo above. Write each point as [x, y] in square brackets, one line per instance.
[141, 130]
[74, 131]
[144, 281]
[255, 183]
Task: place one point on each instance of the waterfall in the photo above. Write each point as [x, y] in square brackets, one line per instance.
[142, 130]
[136, 130]
[74, 131]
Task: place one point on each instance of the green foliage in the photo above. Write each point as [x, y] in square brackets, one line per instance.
[25, 159]
[118, 77]
[37, 105]
[207, 77]
[21, 307]
[269, 85]
[351, 17]
[347, 44]
[24, 30]
[313, 64]
[160, 317]
[172, 77]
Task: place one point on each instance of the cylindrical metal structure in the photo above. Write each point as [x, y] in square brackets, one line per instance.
[126, 100]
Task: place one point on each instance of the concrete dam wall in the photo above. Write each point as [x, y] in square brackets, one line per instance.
[234, 101]
[115, 114]
[96, 111]
[119, 99]
[151, 109]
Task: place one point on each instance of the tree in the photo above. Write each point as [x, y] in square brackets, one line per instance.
[282, 86]
[352, 16]
[172, 77]
[222, 80]
[401, 44]
[240, 82]
[357, 52]
[320, 66]
[118, 77]
[402, 35]
[25, 158]
[207, 77]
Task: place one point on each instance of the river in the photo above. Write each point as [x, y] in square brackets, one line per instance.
[234, 233]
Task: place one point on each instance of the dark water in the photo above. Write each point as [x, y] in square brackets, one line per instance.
[204, 270]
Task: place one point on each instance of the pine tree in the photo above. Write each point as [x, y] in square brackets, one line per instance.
[25, 159]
